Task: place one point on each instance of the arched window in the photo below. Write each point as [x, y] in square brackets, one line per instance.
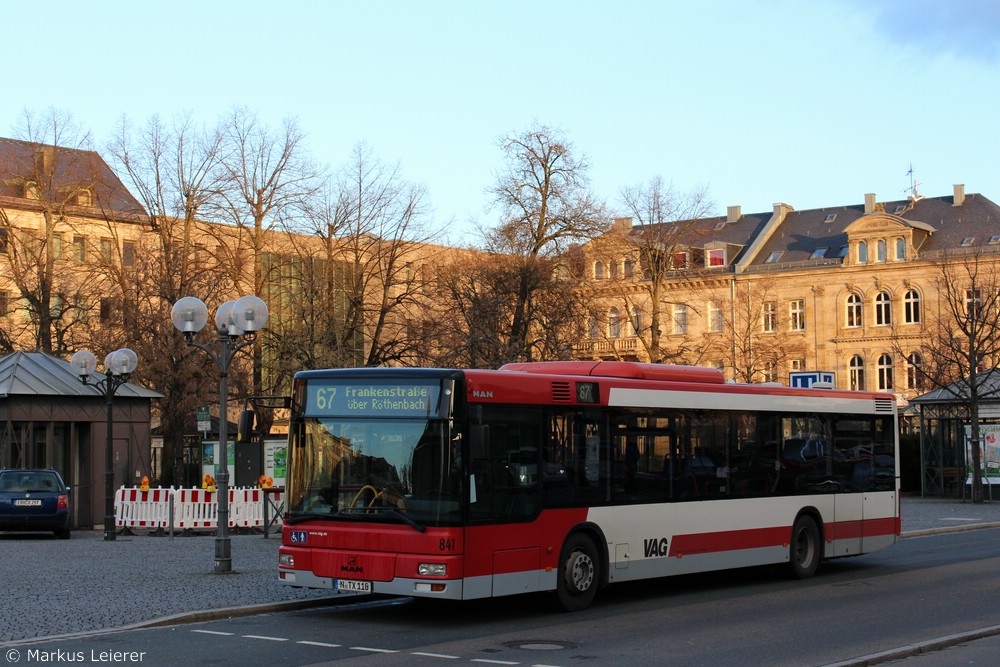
[614, 323]
[636, 320]
[613, 270]
[880, 251]
[857, 373]
[593, 330]
[598, 270]
[854, 317]
[883, 309]
[629, 268]
[911, 307]
[885, 372]
[900, 249]
[914, 379]
[862, 253]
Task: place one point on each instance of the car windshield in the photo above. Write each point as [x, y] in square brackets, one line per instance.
[398, 470]
[23, 482]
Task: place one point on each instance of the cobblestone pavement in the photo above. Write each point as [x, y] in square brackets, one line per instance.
[56, 587]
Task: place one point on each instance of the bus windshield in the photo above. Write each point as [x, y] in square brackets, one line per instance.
[395, 470]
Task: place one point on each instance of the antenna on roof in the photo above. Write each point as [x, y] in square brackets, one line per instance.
[914, 196]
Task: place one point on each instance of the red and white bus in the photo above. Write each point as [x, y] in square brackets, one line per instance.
[569, 476]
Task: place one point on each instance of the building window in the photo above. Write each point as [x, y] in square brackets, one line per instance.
[716, 257]
[862, 253]
[680, 314]
[773, 257]
[637, 322]
[914, 378]
[973, 303]
[769, 317]
[715, 322]
[598, 270]
[679, 260]
[770, 371]
[885, 373]
[900, 249]
[880, 251]
[592, 329]
[128, 253]
[911, 307]
[105, 313]
[818, 253]
[857, 373]
[797, 315]
[854, 312]
[883, 309]
[614, 323]
[613, 270]
[79, 249]
[629, 268]
[84, 198]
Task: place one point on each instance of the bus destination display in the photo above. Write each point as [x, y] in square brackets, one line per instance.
[346, 398]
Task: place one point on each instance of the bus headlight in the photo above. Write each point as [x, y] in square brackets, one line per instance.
[432, 569]
[286, 560]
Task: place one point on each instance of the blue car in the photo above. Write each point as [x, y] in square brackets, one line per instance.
[34, 500]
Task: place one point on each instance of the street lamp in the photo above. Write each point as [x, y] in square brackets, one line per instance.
[237, 323]
[118, 367]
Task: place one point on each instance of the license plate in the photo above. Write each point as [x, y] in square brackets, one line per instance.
[353, 586]
[28, 503]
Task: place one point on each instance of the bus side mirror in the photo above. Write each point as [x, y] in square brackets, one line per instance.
[479, 442]
[244, 431]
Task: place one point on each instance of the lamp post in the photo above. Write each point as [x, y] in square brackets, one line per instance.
[237, 323]
[118, 367]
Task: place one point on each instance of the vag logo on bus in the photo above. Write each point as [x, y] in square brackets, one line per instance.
[656, 547]
[481, 394]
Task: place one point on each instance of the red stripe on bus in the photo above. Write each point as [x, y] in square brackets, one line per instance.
[756, 538]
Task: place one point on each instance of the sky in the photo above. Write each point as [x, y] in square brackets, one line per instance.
[813, 103]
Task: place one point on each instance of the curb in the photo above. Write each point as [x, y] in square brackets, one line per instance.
[924, 532]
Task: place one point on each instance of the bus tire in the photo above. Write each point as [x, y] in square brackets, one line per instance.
[805, 549]
[579, 574]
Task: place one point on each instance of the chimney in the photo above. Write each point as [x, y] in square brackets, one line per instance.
[732, 214]
[869, 203]
[958, 198]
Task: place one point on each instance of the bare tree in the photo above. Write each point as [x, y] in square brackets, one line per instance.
[960, 356]
[544, 197]
[173, 168]
[55, 174]
[654, 248]
[268, 182]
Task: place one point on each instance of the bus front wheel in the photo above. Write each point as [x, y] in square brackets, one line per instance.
[579, 574]
[804, 550]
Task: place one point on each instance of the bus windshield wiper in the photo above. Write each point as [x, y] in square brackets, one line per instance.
[405, 517]
[310, 516]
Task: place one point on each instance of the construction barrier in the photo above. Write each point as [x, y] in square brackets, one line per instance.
[190, 509]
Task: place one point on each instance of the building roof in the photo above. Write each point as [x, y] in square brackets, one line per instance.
[70, 169]
[819, 235]
[40, 374]
[957, 392]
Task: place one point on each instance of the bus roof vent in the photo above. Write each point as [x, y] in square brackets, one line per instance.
[885, 405]
[561, 392]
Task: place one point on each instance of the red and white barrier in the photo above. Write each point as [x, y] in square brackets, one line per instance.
[190, 509]
[142, 509]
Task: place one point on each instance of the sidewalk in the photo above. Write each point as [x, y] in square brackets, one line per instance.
[57, 587]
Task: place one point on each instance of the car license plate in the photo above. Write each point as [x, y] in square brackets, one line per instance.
[353, 586]
[32, 502]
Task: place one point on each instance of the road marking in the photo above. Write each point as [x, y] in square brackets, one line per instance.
[320, 644]
[435, 655]
[215, 632]
[373, 650]
[270, 639]
[495, 662]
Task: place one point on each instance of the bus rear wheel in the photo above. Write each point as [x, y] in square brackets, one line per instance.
[804, 550]
[579, 574]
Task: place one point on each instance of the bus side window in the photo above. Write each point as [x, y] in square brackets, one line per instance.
[505, 475]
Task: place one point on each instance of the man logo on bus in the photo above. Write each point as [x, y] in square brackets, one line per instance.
[656, 547]
[352, 566]
[482, 394]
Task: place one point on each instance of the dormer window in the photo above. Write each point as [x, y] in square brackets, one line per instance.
[31, 191]
[773, 257]
[995, 239]
[716, 257]
[818, 253]
[968, 241]
[830, 217]
[84, 198]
